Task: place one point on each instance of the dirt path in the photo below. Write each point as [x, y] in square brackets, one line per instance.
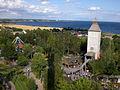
[37, 81]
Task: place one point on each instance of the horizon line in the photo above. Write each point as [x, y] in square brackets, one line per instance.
[56, 20]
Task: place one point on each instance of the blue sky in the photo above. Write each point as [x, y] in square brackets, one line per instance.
[82, 10]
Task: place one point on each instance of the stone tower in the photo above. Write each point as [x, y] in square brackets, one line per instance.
[93, 43]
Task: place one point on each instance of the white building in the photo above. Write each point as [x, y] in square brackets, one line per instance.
[93, 43]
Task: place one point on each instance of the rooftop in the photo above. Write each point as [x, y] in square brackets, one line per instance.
[95, 27]
[72, 60]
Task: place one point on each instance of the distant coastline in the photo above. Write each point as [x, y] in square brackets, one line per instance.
[25, 27]
[40, 20]
[106, 27]
[28, 20]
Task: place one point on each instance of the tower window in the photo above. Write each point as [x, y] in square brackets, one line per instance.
[91, 48]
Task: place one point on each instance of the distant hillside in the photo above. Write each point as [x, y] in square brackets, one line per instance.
[26, 20]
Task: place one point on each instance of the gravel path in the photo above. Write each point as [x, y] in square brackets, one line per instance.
[37, 81]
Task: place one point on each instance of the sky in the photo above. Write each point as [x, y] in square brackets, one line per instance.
[80, 10]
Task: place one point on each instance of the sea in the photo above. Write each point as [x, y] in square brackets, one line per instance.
[107, 27]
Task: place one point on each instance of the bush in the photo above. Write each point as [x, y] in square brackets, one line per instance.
[31, 84]
[23, 61]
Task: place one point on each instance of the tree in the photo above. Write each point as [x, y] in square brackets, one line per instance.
[22, 60]
[84, 84]
[106, 64]
[39, 49]
[8, 50]
[62, 84]
[38, 64]
[60, 43]
[75, 43]
[27, 50]
[107, 56]
[54, 75]
[51, 41]
[29, 37]
[6, 37]
[31, 84]
[83, 45]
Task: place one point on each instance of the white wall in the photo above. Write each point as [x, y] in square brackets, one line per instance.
[94, 41]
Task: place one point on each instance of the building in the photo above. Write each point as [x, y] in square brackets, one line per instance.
[93, 43]
[19, 32]
[109, 35]
[80, 34]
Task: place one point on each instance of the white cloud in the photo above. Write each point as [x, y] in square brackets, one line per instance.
[46, 10]
[67, 0]
[23, 8]
[94, 8]
[11, 8]
[38, 9]
[12, 3]
[44, 2]
[14, 13]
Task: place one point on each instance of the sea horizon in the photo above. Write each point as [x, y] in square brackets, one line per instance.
[107, 27]
[52, 20]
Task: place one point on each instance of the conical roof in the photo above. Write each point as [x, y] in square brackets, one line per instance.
[95, 27]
